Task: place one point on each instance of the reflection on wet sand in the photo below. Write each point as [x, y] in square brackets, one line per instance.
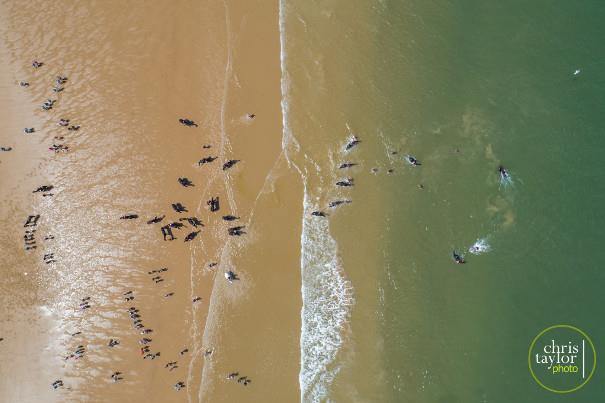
[110, 286]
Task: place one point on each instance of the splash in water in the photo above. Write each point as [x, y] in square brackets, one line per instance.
[505, 177]
[480, 247]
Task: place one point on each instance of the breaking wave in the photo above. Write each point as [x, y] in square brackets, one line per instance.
[326, 294]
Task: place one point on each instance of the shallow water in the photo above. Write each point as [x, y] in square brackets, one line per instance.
[386, 315]
[113, 167]
[463, 88]
[132, 73]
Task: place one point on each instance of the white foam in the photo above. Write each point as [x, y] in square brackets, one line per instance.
[327, 300]
[480, 247]
[506, 181]
[326, 294]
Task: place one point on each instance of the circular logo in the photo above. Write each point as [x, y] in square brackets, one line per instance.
[562, 358]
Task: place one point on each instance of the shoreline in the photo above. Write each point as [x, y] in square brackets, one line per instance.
[269, 261]
[118, 163]
[18, 295]
[339, 279]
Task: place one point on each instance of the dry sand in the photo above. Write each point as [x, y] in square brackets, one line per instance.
[134, 69]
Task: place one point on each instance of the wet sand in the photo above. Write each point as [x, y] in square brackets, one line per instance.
[133, 72]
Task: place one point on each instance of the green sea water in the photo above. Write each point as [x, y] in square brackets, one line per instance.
[495, 81]
[464, 87]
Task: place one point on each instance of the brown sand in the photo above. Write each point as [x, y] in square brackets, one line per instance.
[133, 70]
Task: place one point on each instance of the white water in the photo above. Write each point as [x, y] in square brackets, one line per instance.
[326, 294]
[327, 300]
[480, 247]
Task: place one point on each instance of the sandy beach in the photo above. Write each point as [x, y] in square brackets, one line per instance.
[133, 71]
[299, 201]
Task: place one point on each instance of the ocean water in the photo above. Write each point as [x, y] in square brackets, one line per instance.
[464, 87]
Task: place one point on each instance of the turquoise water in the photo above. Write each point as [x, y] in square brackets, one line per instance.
[464, 87]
